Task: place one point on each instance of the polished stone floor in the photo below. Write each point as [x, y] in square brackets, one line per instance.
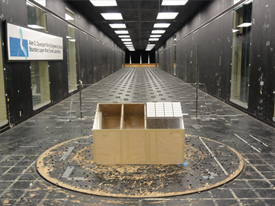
[20, 147]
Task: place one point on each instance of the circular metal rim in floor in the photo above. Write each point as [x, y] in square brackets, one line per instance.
[50, 166]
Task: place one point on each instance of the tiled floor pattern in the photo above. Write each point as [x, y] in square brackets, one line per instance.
[20, 146]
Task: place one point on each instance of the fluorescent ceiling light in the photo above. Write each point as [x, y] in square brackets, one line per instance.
[126, 40]
[68, 17]
[117, 26]
[174, 2]
[235, 30]
[104, 2]
[167, 15]
[124, 36]
[148, 49]
[34, 26]
[112, 16]
[153, 39]
[158, 31]
[121, 32]
[175, 39]
[245, 25]
[156, 35]
[68, 37]
[73, 40]
[161, 25]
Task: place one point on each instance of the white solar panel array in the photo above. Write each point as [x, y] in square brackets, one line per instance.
[164, 109]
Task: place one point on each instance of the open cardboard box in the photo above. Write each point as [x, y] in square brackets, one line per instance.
[125, 134]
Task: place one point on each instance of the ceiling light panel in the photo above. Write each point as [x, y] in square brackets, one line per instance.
[128, 43]
[112, 16]
[174, 2]
[153, 39]
[118, 26]
[161, 25]
[124, 36]
[155, 36]
[167, 15]
[126, 40]
[121, 32]
[104, 2]
[158, 31]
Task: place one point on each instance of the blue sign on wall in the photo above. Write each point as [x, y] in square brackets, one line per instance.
[18, 48]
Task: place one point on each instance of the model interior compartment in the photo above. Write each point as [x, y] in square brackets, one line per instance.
[134, 116]
[108, 116]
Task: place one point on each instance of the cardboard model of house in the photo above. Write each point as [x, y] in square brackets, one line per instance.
[138, 133]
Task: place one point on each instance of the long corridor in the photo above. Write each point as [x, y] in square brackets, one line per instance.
[20, 147]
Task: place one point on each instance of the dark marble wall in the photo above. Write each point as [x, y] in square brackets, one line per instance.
[97, 56]
[211, 46]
